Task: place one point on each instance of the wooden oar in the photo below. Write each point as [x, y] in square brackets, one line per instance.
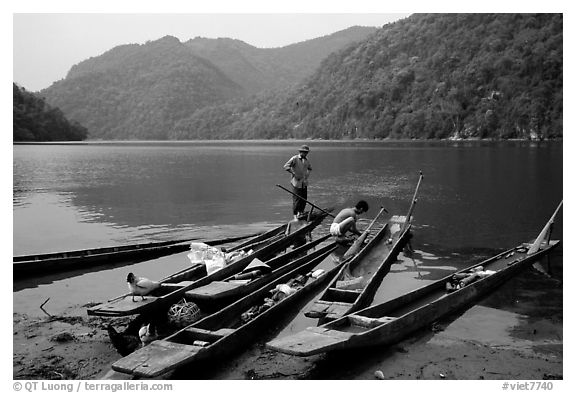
[307, 201]
[213, 242]
[414, 200]
[357, 245]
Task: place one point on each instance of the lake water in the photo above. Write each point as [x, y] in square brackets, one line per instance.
[476, 194]
[477, 198]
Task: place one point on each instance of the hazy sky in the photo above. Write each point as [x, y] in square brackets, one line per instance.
[46, 45]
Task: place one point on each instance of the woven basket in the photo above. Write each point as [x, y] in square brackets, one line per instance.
[184, 313]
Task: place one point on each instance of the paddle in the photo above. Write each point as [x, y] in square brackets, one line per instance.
[307, 201]
[357, 245]
[214, 242]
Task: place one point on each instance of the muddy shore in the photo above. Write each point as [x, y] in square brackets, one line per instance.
[515, 333]
[79, 348]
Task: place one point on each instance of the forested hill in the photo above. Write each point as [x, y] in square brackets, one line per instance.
[427, 76]
[260, 69]
[35, 121]
[141, 91]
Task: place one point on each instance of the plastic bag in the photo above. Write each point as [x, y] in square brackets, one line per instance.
[286, 289]
[213, 258]
[215, 264]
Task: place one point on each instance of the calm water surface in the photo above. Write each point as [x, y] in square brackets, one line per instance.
[82, 196]
[476, 199]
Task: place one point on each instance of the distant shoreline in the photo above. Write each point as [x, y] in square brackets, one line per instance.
[282, 141]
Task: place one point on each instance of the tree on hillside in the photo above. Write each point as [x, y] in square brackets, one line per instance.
[34, 120]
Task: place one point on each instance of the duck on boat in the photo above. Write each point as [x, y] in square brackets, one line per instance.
[264, 247]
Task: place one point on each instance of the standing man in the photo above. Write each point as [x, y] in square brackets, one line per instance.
[300, 168]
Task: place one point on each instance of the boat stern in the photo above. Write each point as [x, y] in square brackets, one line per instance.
[156, 359]
[312, 341]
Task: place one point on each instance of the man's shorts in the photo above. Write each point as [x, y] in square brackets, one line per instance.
[336, 228]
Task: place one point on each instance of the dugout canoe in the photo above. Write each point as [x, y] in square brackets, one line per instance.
[235, 286]
[30, 265]
[354, 287]
[391, 321]
[224, 333]
[264, 247]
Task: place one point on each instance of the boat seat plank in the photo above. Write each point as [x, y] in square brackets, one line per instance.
[213, 290]
[224, 331]
[176, 285]
[398, 219]
[202, 331]
[124, 304]
[205, 335]
[322, 308]
[337, 310]
[155, 359]
[343, 295]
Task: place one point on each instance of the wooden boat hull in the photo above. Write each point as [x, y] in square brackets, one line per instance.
[219, 329]
[29, 265]
[351, 290]
[219, 291]
[175, 286]
[389, 322]
[123, 305]
[336, 302]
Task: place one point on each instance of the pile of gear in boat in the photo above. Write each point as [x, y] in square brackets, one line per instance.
[460, 280]
[213, 258]
[186, 312]
[280, 292]
[350, 283]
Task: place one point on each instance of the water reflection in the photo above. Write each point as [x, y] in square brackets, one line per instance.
[472, 195]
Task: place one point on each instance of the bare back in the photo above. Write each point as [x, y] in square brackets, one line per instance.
[344, 214]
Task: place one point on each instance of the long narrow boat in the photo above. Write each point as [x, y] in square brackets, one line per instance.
[355, 286]
[232, 328]
[234, 286]
[173, 287]
[29, 265]
[389, 322]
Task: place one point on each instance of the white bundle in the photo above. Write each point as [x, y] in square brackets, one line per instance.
[213, 258]
[286, 289]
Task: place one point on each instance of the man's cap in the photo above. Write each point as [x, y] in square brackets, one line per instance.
[304, 148]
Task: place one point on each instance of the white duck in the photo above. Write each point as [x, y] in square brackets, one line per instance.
[140, 286]
[147, 334]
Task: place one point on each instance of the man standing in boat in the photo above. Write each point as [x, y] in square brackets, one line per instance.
[300, 168]
[346, 220]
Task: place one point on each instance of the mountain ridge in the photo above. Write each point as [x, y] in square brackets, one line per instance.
[429, 76]
[139, 91]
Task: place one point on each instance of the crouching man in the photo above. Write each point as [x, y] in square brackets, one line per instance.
[345, 221]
